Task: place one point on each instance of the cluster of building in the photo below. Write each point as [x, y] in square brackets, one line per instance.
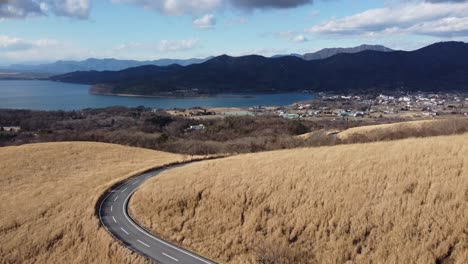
[427, 104]
[10, 129]
[417, 105]
[347, 107]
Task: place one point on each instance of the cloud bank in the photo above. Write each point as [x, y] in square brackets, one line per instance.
[180, 7]
[432, 18]
[14, 49]
[12, 44]
[80, 9]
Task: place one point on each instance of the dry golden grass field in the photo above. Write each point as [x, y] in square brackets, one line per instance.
[401, 130]
[393, 202]
[48, 194]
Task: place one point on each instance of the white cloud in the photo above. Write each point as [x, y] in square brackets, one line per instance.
[299, 39]
[433, 19]
[177, 45]
[450, 26]
[205, 22]
[12, 44]
[20, 8]
[14, 49]
[24, 8]
[72, 8]
[176, 7]
[290, 36]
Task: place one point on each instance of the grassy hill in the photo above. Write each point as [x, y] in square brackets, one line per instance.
[48, 194]
[392, 202]
[422, 128]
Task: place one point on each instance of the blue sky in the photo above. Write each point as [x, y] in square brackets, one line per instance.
[47, 30]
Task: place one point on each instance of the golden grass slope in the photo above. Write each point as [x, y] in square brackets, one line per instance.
[393, 202]
[405, 130]
[48, 194]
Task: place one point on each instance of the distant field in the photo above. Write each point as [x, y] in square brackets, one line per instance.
[394, 202]
[48, 194]
[402, 130]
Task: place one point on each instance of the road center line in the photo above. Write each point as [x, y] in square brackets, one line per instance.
[170, 257]
[114, 219]
[143, 243]
[112, 207]
[135, 182]
[117, 197]
[125, 231]
[124, 190]
[157, 239]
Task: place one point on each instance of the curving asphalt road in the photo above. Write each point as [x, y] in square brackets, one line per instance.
[114, 217]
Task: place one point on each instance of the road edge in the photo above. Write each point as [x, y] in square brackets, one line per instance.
[105, 194]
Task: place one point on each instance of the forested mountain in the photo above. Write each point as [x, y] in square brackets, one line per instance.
[438, 67]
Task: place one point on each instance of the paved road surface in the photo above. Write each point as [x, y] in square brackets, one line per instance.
[113, 215]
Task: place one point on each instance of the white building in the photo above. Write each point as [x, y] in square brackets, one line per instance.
[197, 127]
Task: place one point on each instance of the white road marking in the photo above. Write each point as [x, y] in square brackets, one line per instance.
[124, 190]
[112, 207]
[157, 239]
[114, 219]
[125, 231]
[117, 197]
[143, 231]
[143, 243]
[170, 257]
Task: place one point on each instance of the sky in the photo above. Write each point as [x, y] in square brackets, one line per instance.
[38, 31]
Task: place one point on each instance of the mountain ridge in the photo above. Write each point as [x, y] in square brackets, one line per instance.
[93, 64]
[438, 67]
[112, 64]
[330, 52]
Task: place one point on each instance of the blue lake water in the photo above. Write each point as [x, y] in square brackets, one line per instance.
[47, 95]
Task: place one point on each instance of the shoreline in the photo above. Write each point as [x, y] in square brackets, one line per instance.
[173, 97]
[188, 97]
[107, 90]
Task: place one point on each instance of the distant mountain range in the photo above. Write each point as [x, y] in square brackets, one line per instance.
[97, 65]
[438, 67]
[327, 53]
[61, 67]
[330, 52]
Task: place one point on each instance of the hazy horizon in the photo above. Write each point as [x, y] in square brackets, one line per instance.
[194, 58]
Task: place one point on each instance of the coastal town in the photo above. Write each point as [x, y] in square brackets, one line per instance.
[407, 106]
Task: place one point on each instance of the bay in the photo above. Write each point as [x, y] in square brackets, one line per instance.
[48, 95]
